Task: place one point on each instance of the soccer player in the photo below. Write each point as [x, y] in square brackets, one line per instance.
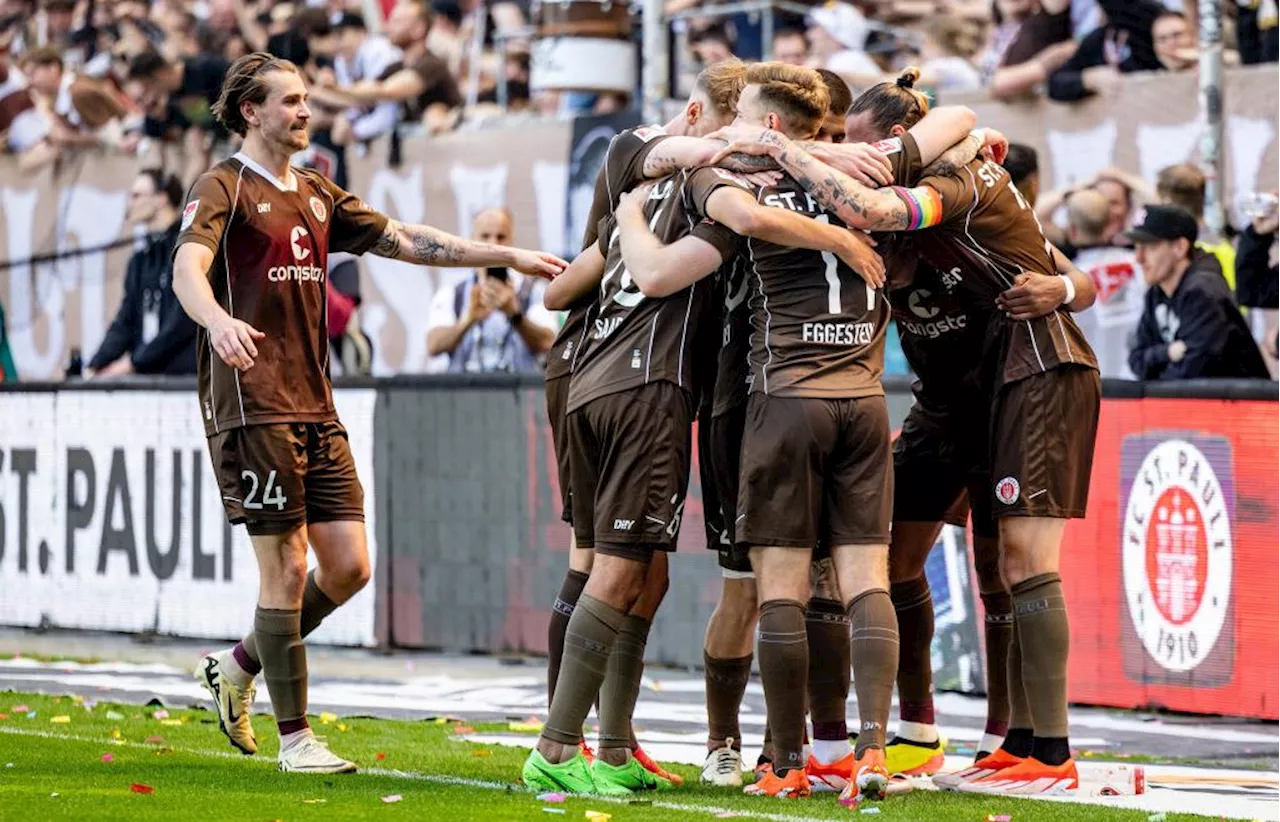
[250, 268]
[1042, 381]
[629, 412]
[627, 163]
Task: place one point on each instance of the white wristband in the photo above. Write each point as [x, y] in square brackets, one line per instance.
[1071, 289]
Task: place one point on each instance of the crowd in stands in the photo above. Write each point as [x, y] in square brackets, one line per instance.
[129, 76]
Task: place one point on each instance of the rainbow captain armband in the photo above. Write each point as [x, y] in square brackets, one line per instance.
[924, 206]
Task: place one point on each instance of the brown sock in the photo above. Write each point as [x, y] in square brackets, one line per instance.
[621, 684]
[316, 605]
[913, 603]
[784, 669]
[588, 642]
[827, 629]
[726, 682]
[561, 610]
[874, 631]
[998, 626]
[284, 664]
[766, 748]
[1044, 639]
[1017, 741]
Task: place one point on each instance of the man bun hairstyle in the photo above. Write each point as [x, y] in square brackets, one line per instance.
[893, 104]
[246, 82]
[797, 94]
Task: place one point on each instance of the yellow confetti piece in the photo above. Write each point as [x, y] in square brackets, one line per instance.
[115, 734]
[77, 699]
[314, 801]
[342, 726]
[481, 752]
[171, 722]
[61, 720]
[597, 816]
[327, 718]
[525, 727]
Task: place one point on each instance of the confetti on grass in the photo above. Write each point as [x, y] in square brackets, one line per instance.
[550, 797]
[395, 797]
[138, 787]
[108, 758]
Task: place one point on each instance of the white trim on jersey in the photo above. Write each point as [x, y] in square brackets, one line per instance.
[648, 357]
[254, 165]
[764, 305]
[231, 305]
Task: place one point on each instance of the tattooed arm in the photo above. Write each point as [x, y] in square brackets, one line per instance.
[425, 245]
[578, 280]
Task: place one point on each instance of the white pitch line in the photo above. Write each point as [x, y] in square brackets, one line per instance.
[423, 777]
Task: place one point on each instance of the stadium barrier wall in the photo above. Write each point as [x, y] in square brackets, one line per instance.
[1171, 579]
[544, 173]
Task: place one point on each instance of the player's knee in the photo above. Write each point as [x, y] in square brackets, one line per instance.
[986, 565]
[353, 574]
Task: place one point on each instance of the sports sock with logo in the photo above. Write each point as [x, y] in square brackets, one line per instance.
[284, 665]
[784, 670]
[874, 632]
[622, 683]
[316, 605]
[827, 629]
[1044, 639]
[913, 603]
[998, 627]
[1017, 742]
[561, 610]
[588, 642]
[726, 682]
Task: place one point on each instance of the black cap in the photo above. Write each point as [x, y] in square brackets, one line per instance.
[1158, 222]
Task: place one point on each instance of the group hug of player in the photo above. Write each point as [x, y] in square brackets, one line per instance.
[727, 274]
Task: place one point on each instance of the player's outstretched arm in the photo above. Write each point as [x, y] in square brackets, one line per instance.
[425, 245]
[660, 269]
[742, 214]
[232, 339]
[577, 281]
[883, 209]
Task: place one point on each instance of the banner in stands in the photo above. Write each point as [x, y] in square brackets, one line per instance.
[536, 170]
[1171, 581]
[110, 518]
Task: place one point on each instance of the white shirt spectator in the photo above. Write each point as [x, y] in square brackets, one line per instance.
[1112, 320]
[372, 61]
[491, 345]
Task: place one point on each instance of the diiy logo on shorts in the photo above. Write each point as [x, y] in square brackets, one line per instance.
[1178, 492]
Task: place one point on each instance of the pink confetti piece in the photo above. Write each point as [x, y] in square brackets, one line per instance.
[550, 797]
[108, 758]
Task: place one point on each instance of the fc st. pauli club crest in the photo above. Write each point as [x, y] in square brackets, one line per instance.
[1179, 501]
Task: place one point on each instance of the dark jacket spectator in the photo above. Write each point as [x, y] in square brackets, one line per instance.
[1191, 327]
[151, 334]
[1122, 46]
[1257, 31]
[1257, 280]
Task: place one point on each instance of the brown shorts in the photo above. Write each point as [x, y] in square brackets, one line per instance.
[629, 464]
[1043, 429]
[557, 399]
[726, 460]
[277, 476]
[815, 471]
[937, 471]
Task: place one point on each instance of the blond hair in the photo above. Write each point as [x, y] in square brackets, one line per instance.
[246, 82]
[796, 94]
[893, 104]
[722, 83]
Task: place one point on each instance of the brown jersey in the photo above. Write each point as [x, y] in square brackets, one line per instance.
[622, 171]
[987, 235]
[732, 370]
[817, 328]
[271, 245]
[635, 340]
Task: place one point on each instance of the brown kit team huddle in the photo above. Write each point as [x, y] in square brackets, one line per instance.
[728, 275]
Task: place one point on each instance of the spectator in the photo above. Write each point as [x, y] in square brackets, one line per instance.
[1257, 276]
[1174, 42]
[185, 89]
[362, 58]
[151, 334]
[790, 46]
[711, 43]
[1117, 277]
[495, 319]
[1123, 45]
[1027, 45]
[1023, 165]
[1191, 327]
[950, 42]
[1183, 186]
[1258, 31]
[838, 41]
[421, 81]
